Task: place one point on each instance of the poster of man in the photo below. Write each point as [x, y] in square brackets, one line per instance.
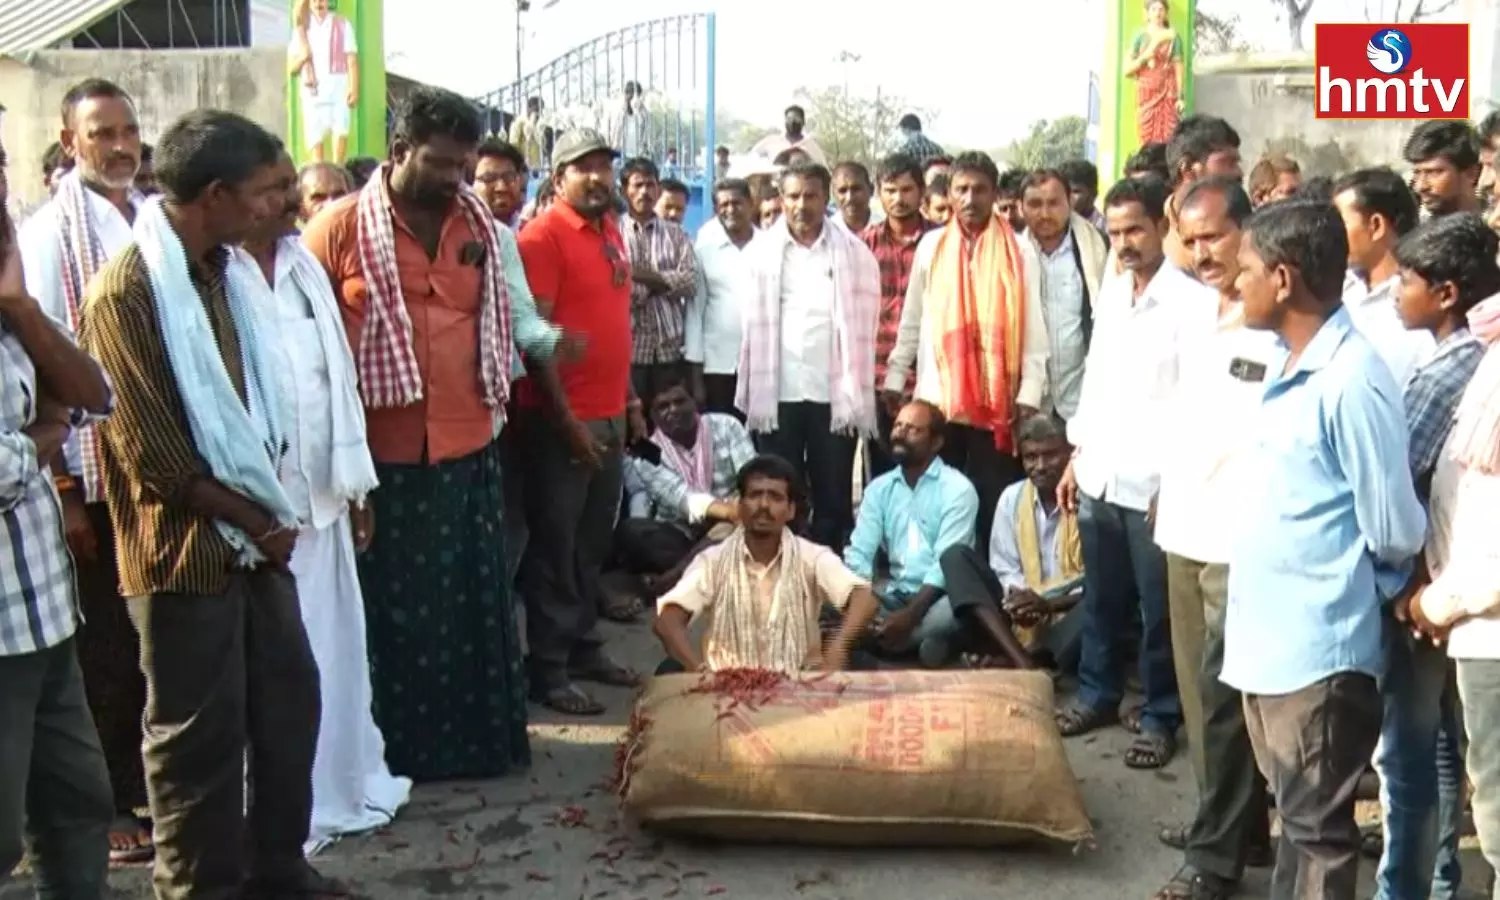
[324, 59]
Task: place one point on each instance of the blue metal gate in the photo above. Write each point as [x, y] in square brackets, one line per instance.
[672, 61]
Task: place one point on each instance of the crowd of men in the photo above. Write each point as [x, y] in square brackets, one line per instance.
[272, 497]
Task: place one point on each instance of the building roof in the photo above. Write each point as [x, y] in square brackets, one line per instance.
[38, 24]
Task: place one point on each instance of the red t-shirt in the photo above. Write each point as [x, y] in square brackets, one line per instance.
[583, 275]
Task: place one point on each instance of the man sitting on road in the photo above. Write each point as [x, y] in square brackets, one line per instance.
[762, 590]
[910, 517]
[1024, 602]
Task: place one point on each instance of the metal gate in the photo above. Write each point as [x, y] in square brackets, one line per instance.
[672, 61]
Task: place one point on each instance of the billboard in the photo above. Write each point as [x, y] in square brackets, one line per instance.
[336, 80]
[1147, 83]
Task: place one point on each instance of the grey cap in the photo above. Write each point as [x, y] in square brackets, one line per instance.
[578, 143]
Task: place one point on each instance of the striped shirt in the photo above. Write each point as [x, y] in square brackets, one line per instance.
[146, 446]
[38, 596]
[657, 320]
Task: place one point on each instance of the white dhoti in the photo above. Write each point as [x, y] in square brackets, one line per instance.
[326, 112]
[353, 789]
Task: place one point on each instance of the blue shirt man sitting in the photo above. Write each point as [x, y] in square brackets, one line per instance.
[911, 516]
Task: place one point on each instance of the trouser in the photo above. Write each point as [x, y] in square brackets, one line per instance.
[225, 674]
[880, 448]
[571, 509]
[517, 532]
[1313, 745]
[650, 546]
[1232, 815]
[719, 395]
[109, 655]
[972, 583]
[804, 438]
[1120, 563]
[55, 796]
[991, 470]
[933, 636]
[1479, 687]
[1421, 772]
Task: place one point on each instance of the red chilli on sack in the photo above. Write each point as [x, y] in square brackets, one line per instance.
[750, 688]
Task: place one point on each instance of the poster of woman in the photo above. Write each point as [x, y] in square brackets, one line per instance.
[1147, 84]
[1156, 66]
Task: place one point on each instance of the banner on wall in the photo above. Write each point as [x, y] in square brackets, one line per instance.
[1148, 76]
[336, 93]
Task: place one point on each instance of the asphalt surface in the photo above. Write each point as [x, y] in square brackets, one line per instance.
[554, 834]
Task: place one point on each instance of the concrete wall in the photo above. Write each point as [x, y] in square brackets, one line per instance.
[1271, 99]
[165, 84]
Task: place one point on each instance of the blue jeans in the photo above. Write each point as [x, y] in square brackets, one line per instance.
[1479, 686]
[1121, 563]
[1421, 772]
[933, 637]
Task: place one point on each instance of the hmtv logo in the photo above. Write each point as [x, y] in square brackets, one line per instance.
[1399, 71]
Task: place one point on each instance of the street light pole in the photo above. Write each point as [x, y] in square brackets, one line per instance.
[521, 7]
[845, 58]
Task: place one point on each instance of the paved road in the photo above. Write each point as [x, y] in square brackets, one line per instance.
[487, 839]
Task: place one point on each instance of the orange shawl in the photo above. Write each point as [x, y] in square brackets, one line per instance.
[979, 322]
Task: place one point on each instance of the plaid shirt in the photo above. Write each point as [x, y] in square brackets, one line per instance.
[895, 256]
[918, 146]
[656, 320]
[38, 599]
[1432, 394]
[670, 498]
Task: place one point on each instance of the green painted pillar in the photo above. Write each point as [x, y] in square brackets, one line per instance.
[1126, 34]
[367, 117]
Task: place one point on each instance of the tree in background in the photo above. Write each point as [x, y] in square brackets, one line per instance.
[1049, 144]
[1296, 12]
[1218, 33]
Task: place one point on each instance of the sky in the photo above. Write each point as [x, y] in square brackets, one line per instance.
[985, 69]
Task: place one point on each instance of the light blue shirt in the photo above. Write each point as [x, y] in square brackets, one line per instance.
[914, 526]
[527, 327]
[1324, 540]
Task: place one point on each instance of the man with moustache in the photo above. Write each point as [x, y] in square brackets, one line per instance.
[579, 268]
[500, 180]
[1073, 253]
[1129, 379]
[713, 330]
[1202, 145]
[974, 277]
[435, 307]
[808, 356]
[1318, 554]
[321, 183]
[328, 476]
[63, 246]
[1444, 157]
[1224, 367]
[663, 273]
[851, 194]
[908, 519]
[894, 243]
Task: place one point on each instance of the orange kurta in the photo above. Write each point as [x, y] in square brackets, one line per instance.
[443, 297]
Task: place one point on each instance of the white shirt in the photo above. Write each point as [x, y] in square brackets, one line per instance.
[1208, 428]
[307, 468]
[914, 342]
[1063, 291]
[806, 321]
[1373, 309]
[1005, 548]
[42, 266]
[726, 285]
[1464, 557]
[1129, 379]
[320, 43]
[41, 249]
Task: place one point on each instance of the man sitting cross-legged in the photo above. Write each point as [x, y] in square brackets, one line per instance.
[762, 590]
[911, 516]
[687, 488]
[1023, 603]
